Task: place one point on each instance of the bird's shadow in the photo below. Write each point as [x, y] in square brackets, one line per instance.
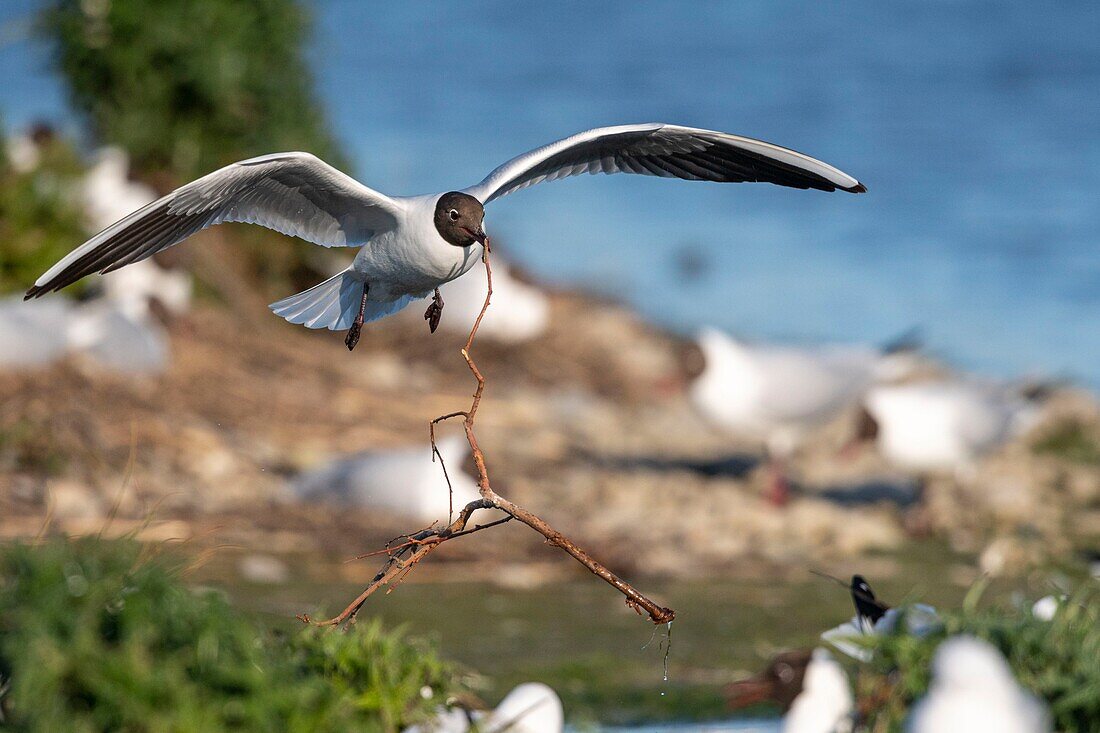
[902, 492]
[737, 466]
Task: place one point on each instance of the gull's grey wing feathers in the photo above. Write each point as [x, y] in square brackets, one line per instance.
[293, 193]
[669, 151]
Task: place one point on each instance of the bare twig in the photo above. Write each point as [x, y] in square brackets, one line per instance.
[403, 557]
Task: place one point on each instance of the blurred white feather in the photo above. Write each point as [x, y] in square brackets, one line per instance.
[973, 690]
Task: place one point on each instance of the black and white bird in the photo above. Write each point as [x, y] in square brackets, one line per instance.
[873, 616]
[409, 246]
[868, 608]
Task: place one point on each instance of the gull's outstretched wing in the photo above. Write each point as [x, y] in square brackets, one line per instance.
[669, 151]
[293, 193]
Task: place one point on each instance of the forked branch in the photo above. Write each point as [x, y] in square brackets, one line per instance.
[404, 552]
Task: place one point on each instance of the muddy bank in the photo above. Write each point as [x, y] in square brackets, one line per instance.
[587, 425]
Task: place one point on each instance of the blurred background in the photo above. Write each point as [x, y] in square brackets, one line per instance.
[899, 384]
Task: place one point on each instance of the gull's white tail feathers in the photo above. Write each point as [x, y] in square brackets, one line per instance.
[334, 303]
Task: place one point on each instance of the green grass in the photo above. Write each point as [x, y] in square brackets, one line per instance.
[1070, 441]
[96, 637]
[29, 446]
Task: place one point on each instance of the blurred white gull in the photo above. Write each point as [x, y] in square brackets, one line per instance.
[33, 336]
[520, 312]
[110, 195]
[1046, 608]
[22, 152]
[403, 481]
[529, 708]
[973, 690]
[777, 393]
[825, 704]
[944, 425]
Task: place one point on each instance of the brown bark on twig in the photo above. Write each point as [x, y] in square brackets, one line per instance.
[406, 551]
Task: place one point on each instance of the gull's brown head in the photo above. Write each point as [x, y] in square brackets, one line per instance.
[459, 218]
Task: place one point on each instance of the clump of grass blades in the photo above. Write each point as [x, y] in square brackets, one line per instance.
[93, 637]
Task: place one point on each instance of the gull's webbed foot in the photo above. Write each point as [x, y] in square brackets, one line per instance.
[435, 310]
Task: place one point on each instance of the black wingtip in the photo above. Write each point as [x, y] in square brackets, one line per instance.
[858, 188]
[33, 292]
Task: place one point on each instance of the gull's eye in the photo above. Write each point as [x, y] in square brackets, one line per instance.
[453, 213]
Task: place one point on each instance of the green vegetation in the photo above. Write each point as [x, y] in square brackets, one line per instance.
[188, 86]
[1071, 441]
[39, 218]
[28, 446]
[1059, 660]
[96, 637]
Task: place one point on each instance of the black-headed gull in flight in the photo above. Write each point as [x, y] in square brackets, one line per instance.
[409, 246]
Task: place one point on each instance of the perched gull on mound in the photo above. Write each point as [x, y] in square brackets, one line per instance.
[777, 393]
[368, 480]
[945, 425]
[409, 246]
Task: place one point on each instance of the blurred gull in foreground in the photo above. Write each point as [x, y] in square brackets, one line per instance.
[777, 393]
[825, 704]
[403, 481]
[410, 246]
[529, 708]
[520, 311]
[944, 425]
[973, 690]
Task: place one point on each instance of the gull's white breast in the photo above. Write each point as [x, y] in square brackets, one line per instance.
[412, 259]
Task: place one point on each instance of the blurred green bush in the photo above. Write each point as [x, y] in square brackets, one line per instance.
[97, 636]
[187, 86]
[40, 216]
[1059, 660]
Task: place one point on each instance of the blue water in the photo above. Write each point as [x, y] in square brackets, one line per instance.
[976, 126]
